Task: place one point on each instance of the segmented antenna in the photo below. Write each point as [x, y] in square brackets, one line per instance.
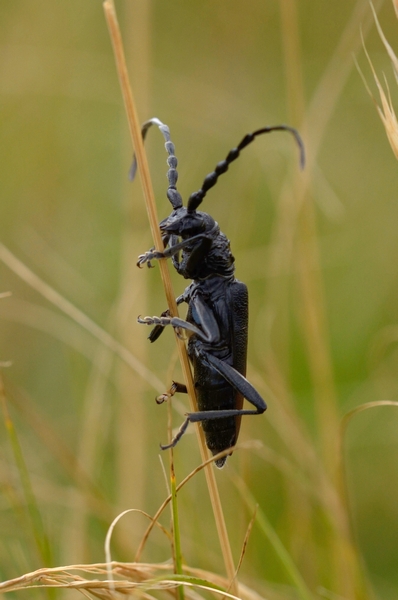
[172, 175]
[210, 181]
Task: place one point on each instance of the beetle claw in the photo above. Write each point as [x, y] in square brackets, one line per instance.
[162, 398]
[170, 393]
[179, 333]
[144, 320]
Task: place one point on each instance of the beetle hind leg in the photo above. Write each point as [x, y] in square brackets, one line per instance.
[174, 388]
[178, 435]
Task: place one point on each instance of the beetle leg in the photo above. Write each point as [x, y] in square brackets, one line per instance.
[209, 333]
[163, 321]
[178, 435]
[147, 257]
[175, 257]
[182, 389]
[168, 252]
[152, 253]
[199, 253]
[239, 383]
[175, 322]
[158, 329]
[236, 380]
[174, 388]
[251, 395]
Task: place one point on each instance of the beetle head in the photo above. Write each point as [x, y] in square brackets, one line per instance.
[186, 224]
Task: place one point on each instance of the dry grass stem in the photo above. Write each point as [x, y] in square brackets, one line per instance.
[390, 51]
[108, 538]
[386, 110]
[138, 579]
[246, 540]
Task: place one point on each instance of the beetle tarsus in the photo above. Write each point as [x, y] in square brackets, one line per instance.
[177, 437]
[147, 257]
[175, 387]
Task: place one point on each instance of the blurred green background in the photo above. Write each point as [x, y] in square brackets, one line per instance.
[318, 251]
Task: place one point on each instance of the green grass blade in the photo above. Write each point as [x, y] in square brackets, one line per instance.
[176, 528]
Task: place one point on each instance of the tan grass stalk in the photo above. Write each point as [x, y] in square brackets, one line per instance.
[135, 131]
[133, 579]
[246, 540]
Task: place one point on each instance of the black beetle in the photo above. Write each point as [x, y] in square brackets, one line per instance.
[217, 317]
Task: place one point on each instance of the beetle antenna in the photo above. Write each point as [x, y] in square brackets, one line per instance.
[210, 181]
[172, 175]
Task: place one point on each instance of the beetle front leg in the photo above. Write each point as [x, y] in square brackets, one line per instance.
[153, 254]
[147, 257]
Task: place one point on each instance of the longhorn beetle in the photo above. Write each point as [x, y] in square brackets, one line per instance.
[217, 317]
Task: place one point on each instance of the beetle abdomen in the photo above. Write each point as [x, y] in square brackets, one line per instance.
[220, 433]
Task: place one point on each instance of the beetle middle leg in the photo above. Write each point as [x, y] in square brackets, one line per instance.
[176, 322]
[209, 333]
[158, 329]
